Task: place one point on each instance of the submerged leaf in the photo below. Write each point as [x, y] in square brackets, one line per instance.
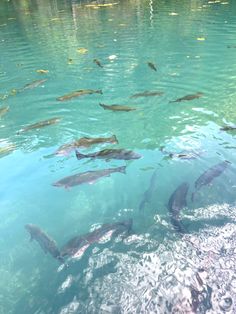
[82, 50]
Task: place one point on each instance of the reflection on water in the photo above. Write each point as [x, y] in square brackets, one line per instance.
[171, 61]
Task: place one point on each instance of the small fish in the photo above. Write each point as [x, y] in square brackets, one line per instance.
[40, 124]
[117, 107]
[185, 155]
[47, 244]
[73, 246]
[85, 142]
[188, 97]
[228, 128]
[176, 203]
[87, 177]
[33, 84]
[147, 94]
[207, 177]
[108, 154]
[79, 93]
[4, 110]
[152, 66]
[148, 193]
[98, 63]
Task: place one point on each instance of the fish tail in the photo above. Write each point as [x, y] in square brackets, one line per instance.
[79, 155]
[142, 204]
[114, 139]
[103, 106]
[122, 169]
[99, 91]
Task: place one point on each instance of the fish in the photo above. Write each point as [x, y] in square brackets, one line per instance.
[4, 110]
[47, 244]
[33, 84]
[87, 177]
[207, 177]
[176, 203]
[148, 193]
[116, 107]
[230, 46]
[147, 94]
[108, 154]
[76, 244]
[152, 66]
[228, 128]
[40, 124]
[98, 63]
[185, 155]
[85, 142]
[188, 97]
[78, 93]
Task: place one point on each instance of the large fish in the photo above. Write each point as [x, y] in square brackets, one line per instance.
[80, 243]
[108, 154]
[117, 107]
[47, 244]
[85, 142]
[148, 193]
[208, 176]
[3, 111]
[228, 128]
[78, 93]
[33, 84]
[40, 124]
[188, 97]
[176, 203]
[87, 177]
[147, 94]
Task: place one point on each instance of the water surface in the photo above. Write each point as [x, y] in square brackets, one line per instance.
[192, 44]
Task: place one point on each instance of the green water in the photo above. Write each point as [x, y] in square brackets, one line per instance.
[192, 43]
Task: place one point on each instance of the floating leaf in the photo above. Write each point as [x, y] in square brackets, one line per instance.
[201, 38]
[101, 5]
[42, 71]
[112, 57]
[13, 92]
[82, 50]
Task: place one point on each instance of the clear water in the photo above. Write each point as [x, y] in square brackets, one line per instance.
[192, 43]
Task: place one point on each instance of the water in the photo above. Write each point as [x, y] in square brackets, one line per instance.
[153, 270]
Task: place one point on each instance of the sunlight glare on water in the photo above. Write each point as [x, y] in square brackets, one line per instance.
[135, 247]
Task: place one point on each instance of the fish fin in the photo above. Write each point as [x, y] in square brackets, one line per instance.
[102, 105]
[122, 169]
[79, 155]
[114, 138]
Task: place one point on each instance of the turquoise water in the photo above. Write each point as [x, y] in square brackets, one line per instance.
[192, 44]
